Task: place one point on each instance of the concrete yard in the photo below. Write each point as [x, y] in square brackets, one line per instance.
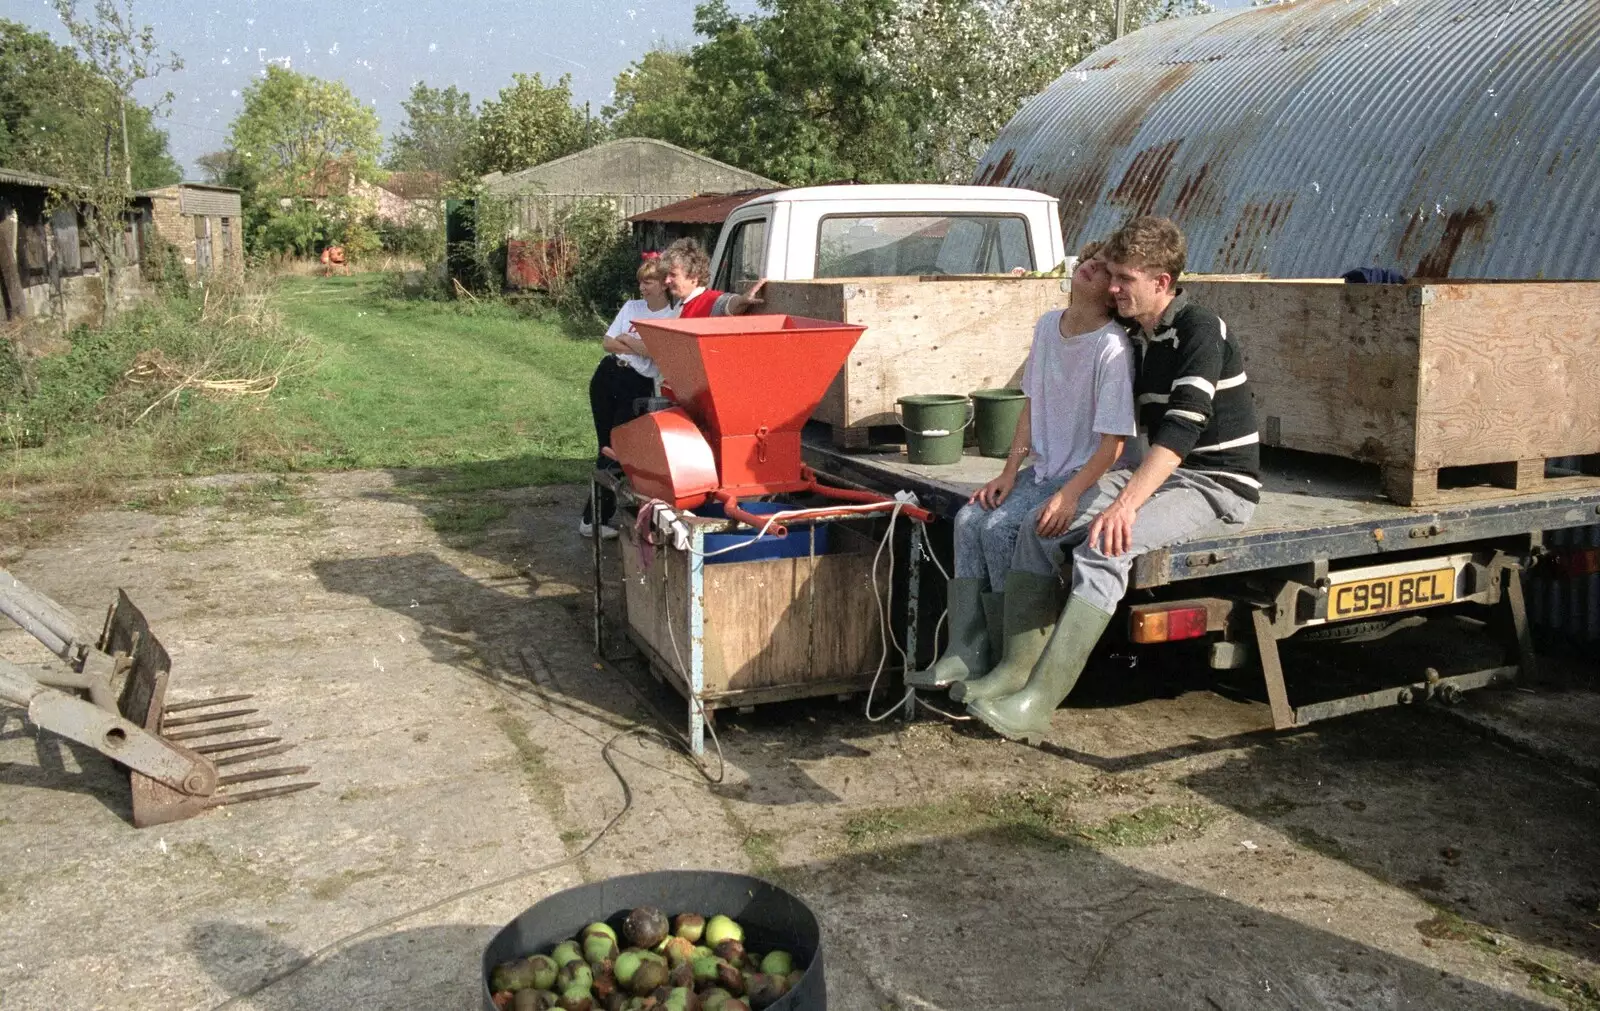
[429, 652]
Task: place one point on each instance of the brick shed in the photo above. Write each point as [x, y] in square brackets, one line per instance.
[203, 221]
[49, 265]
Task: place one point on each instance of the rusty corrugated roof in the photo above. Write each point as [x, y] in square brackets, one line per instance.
[17, 177]
[1447, 138]
[705, 209]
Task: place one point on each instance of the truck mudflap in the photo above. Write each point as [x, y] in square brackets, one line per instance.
[1370, 600]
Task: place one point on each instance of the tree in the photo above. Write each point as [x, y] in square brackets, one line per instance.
[789, 94]
[300, 132]
[654, 96]
[806, 91]
[121, 53]
[528, 124]
[221, 168]
[59, 118]
[437, 134]
[977, 61]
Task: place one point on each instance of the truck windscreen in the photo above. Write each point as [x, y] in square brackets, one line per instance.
[899, 245]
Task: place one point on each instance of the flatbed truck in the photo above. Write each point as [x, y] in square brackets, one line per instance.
[1326, 556]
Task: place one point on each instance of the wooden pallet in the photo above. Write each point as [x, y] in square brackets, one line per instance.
[1444, 485]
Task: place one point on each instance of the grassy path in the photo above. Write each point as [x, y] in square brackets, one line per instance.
[418, 384]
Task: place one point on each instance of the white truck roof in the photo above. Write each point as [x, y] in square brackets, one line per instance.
[879, 193]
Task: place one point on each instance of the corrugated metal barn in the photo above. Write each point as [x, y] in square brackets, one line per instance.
[634, 175]
[1446, 138]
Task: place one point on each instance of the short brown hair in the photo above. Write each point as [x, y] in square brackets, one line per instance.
[1090, 249]
[1150, 243]
[689, 255]
[652, 269]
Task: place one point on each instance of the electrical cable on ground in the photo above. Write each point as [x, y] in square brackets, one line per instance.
[643, 732]
[341, 943]
[885, 604]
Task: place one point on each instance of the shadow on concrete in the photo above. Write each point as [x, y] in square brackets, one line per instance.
[422, 967]
[1421, 802]
[530, 634]
[994, 920]
[65, 766]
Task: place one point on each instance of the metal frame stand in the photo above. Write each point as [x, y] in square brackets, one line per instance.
[698, 712]
[1274, 621]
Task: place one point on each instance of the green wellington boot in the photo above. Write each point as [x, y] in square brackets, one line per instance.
[1030, 606]
[994, 619]
[1026, 714]
[967, 656]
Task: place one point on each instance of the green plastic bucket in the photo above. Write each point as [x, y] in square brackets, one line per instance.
[994, 415]
[935, 425]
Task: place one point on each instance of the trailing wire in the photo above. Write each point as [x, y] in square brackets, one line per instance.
[676, 740]
[885, 603]
[332, 947]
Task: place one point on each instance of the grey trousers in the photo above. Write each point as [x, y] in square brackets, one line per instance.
[1186, 506]
[987, 538]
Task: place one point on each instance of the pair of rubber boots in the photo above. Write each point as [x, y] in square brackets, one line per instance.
[1040, 657]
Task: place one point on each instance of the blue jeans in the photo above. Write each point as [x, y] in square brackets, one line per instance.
[1187, 506]
[986, 538]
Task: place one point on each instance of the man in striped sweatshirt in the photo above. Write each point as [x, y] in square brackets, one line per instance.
[1200, 476]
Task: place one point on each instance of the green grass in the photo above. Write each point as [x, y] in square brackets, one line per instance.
[1039, 816]
[416, 383]
[461, 397]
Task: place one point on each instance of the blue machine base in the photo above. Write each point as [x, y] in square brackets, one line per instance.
[796, 545]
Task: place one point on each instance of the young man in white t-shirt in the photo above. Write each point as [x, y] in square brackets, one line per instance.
[623, 376]
[1079, 382]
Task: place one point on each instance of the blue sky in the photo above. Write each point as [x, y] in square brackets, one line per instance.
[380, 47]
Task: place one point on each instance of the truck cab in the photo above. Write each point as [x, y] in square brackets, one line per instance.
[890, 230]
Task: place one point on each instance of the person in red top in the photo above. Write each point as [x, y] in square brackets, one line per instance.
[688, 269]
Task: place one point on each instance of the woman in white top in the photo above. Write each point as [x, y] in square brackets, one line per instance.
[1080, 414]
[623, 376]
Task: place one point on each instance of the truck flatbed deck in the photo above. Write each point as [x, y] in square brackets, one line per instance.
[1312, 507]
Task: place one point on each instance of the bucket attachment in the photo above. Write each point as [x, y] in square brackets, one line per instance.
[181, 757]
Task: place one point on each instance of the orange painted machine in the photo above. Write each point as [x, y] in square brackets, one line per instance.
[745, 386]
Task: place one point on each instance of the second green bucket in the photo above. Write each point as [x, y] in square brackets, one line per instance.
[935, 425]
[995, 414]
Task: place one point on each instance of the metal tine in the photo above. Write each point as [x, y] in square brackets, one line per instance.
[264, 794]
[232, 728]
[220, 700]
[248, 742]
[250, 777]
[229, 714]
[250, 756]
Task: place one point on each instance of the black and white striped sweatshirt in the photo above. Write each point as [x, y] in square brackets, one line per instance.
[1194, 399]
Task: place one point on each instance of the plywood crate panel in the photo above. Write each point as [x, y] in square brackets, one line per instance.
[924, 335]
[775, 629]
[1420, 378]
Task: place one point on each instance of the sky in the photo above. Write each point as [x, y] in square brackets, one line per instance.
[381, 47]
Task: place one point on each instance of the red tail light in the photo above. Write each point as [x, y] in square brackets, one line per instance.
[1169, 625]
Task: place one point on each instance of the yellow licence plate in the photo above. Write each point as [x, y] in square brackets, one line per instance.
[1363, 597]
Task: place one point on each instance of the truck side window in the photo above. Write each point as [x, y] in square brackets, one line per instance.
[747, 254]
[898, 245]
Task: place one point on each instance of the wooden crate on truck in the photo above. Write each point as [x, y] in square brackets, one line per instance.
[1451, 383]
[924, 335]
